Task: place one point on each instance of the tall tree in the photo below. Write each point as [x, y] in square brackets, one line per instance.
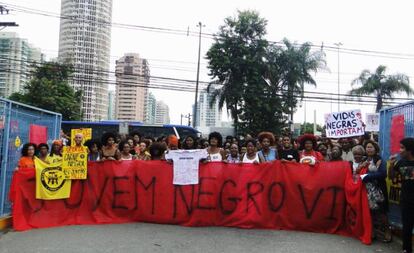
[380, 85]
[236, 63]
[49, 89]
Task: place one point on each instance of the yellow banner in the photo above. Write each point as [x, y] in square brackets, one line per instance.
[393, 186]
[75, 162]
[50, 181]
[86, 132]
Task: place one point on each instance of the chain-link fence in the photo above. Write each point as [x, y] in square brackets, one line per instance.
[385, 138]
[15, 122]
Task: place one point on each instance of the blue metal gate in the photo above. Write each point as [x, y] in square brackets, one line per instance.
[386, 116]
[15, 121]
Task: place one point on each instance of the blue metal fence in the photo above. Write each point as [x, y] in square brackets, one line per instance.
[386, 116]
[15, 121]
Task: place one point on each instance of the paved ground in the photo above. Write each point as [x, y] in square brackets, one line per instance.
[142, 237]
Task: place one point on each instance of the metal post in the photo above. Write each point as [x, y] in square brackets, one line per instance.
[5, 151]
[198, 75]
[339, 89]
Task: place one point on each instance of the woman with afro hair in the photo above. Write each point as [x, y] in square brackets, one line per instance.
[308, 153]
[215, 152]
[109, 148]
[267, 141]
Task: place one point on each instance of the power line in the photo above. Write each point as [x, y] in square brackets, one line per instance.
[185, 83]
[366, 52]
[187, 89]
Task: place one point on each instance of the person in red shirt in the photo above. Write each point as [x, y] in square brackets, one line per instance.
[27, 159]
[308, 153]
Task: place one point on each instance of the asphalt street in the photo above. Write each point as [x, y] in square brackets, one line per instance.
[144, 237]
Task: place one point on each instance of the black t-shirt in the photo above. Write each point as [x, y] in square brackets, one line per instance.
[406, 169]
[289, 154]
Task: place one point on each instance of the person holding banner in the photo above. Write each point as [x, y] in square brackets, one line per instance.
[55, 155]
[109, 149]
[93, 147]
[251, 156]
[125, 149]
[157, 151]
[308, 154]
[190, 142]
[323, 149]
[27, 159]
[233, 156]
[405, 167]
[43, 150]
[143, 154]
[79, 140]
[374, 180]
[215, 152]
[267, 140]
[336, 154]
[287, 152]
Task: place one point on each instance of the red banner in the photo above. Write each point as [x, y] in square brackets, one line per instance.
[37, 134]
[397, 133]
[322, 198]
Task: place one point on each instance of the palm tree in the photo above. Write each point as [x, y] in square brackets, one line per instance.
[295, 64]
[380, 85]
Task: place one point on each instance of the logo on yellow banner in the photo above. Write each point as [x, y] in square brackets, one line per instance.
[50, 181]
[53, 178]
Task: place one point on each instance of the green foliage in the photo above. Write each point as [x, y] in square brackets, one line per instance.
[307, 128]
[380, 85]
[259, 83]
[49, 89]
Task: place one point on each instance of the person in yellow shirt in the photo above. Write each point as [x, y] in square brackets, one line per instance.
[55, 155]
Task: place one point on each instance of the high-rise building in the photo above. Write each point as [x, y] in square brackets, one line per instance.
[207, 116]
[16, 62]
[150, 109]
[85, 41]
[132, 79]
[111, 105]
[162, 113]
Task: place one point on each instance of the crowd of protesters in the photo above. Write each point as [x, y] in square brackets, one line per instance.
[362, 153]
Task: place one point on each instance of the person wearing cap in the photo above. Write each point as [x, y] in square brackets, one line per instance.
[172, 142]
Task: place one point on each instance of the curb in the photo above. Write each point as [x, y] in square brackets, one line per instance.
[5, 223]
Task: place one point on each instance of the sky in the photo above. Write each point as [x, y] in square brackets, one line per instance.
[368, 25]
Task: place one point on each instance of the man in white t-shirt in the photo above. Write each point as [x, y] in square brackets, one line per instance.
[186, 165]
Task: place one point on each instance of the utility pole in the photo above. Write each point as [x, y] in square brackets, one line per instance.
[5, 11]
[200, 25]
[339, 44]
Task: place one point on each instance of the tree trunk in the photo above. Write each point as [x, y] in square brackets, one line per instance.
[379, 103]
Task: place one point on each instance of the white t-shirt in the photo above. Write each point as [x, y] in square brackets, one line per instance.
[186, 165]
[247, 160]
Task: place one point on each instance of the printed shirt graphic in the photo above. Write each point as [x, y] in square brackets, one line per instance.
[186, 165]
[50, 181]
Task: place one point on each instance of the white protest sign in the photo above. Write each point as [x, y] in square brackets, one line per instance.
[344, 124]
[372, 122]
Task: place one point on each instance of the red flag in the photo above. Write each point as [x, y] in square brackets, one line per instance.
[397, 133]
[37, 134]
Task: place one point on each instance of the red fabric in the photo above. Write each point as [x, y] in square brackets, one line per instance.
[320, 198]
[37, 134]
[397, 133]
